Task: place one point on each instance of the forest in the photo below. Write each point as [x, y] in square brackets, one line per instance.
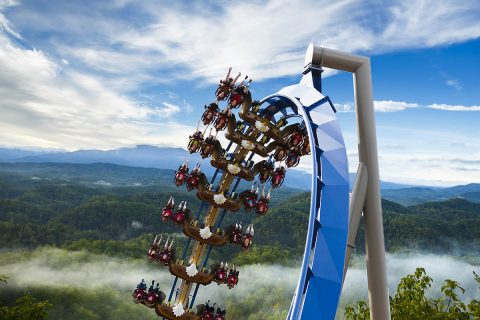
[99, 212]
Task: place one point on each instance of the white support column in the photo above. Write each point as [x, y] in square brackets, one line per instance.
[357, 202]
[367, 149]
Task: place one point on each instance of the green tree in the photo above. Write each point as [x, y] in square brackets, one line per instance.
[411, 302]
[25, 308]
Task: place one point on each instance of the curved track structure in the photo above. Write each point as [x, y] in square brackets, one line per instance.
[296, 121]
[321, 275]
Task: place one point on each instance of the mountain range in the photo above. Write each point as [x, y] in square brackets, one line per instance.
[147, 156]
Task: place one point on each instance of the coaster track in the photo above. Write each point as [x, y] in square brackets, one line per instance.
[296, 121]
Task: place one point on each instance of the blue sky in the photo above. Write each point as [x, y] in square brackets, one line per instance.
[106, 74]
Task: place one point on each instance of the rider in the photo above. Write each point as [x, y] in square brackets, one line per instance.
[151, 289]
[142, 285]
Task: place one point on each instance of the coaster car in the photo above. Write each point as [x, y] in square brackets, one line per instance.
[236, 234]
[261, 207]
[278, 177]
[209, 145]
[210, 113]
[167, 211]
[226, 86]
[167, 254]
[249, 198]
[181, 174]
[222, 119]
[208, 311]
[247, 239]
[220, 315]
[239, 93]
[154, 249]
[195, 141]
[139, 294]
[194, 178]
[232, 279]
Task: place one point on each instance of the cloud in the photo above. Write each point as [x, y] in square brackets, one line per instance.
[466, 169]
[428, 23]
[380, 106]
[429, 156]
[168, 110]
[446, 107]
[344, 107]
[50, 104]
[454, 83]
[467, 161]
[200, 40]
[4, 22]
[391, 106]
[394, 106]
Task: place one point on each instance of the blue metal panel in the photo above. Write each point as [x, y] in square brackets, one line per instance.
[320, 282]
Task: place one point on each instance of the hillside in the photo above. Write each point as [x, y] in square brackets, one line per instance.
[63, 205]
[417, 195]
[144, 156]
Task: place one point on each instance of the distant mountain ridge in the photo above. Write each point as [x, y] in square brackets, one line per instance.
[108, 174]
[417, 195]
[145, 156]
[13, 155]
[139, 156]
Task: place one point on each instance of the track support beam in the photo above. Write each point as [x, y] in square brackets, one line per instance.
[367, 148]
[357, 202]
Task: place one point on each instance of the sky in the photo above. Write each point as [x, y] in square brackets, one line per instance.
[107, 74]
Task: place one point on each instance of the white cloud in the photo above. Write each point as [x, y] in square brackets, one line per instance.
[454, 83]
[4, 22]
[391, 106]
[206, 41]
[344, 107]
[447, 107]
[45, 105]
[380, 106]
[427, 23]
[200, 40]
[168, 110]
[394, 106]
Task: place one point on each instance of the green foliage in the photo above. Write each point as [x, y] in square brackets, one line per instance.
[64, 207]
[451, 226]
[474, 305]
[417, 195]
[266, 303]
[265, 255]
[412, 302]
[360, 311]
[80, 304]
[25, 308]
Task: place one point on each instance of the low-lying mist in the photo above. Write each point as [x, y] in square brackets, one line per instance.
[56, 268]
[438, 267]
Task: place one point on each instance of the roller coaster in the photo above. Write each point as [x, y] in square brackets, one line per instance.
[264, 139]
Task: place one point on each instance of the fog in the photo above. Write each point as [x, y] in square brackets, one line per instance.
[438, 267]
[56, 268]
